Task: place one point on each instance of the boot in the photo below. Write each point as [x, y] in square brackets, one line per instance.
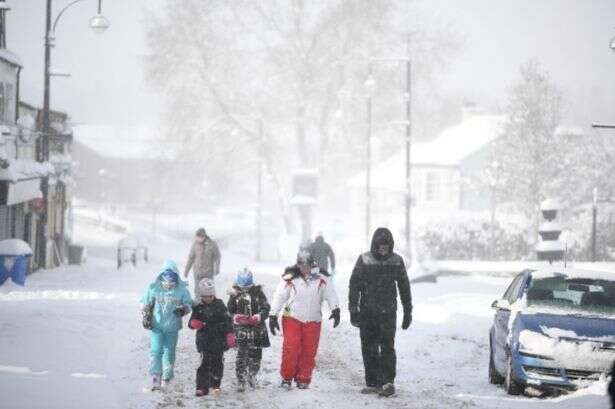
[368, 390]
[286, 384]
[155, 383]
[387, 390]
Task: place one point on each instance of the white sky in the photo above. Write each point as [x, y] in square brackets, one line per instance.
[570, 37]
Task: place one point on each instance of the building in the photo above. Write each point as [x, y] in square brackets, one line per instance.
[444, 172]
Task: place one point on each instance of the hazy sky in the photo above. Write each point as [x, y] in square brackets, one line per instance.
[569, 37]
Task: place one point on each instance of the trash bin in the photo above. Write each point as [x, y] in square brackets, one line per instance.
[14, 260]
[75, 254]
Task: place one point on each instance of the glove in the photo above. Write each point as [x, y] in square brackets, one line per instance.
[355, 318]
[407, 318]
[254, 320]
[273, 324]
[240, 319]
[335, 316]
[180, 310]
[231, 341]
[147, 318]
[196, 324]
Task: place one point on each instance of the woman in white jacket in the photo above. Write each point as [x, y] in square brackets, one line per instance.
[300, 295]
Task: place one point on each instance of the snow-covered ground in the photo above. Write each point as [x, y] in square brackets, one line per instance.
[72, 338]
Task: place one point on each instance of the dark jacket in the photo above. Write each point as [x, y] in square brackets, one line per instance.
[373, 282]
[322, 252]
[250, 302]
[212, 337]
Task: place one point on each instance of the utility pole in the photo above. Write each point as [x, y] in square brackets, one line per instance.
[368, 173]
[408, 153]
[594, 220]
[259, 194]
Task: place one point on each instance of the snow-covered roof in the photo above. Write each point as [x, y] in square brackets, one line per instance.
[448, 150]
[135, 142]
[9, 57]
[20, 169]
[573, 273]
[14, 247]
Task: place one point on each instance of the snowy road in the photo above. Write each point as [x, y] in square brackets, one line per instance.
[72, 339]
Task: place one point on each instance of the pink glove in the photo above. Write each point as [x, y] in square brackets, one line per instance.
[254, 320]
[231, 341]
[196, 324]
[240, 319]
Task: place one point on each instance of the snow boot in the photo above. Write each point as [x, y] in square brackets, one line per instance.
[286, 384]
[156, 383]
[165, 383]
[387, 390]
[199, 392]
[368, 390]
[216, 392]
[302, 385]
[241, 386]
[252, 381]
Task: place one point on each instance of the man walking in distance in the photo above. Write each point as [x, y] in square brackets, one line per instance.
[372, 301]
[322, 253]
[204, 256]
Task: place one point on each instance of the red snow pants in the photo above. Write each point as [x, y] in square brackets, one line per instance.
[299, 349]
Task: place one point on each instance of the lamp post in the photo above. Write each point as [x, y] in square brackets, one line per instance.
[370, 85]
[408, 146]
[99, 24]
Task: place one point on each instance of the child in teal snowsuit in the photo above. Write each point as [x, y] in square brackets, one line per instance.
[165, 302]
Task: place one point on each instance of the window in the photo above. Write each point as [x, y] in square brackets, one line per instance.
[513, 289]
[432, 186]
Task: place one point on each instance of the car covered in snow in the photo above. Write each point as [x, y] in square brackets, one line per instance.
[553, 329]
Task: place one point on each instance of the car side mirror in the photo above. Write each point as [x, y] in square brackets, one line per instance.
[500, 305]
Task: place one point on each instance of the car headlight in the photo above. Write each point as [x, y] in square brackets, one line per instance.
[536, 344]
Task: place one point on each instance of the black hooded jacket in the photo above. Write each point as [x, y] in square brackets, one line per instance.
[375, 279]
[322, 252]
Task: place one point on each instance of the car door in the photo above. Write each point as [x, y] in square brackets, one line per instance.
[501, 319]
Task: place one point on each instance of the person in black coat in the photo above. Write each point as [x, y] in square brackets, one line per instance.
[249, 308]
[214, 336]
[322, 253]
[372, 301]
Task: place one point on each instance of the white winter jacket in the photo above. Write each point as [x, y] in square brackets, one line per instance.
[302, 298]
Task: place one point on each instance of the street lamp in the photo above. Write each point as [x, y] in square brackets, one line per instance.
[407, 97]
[370, 86]
[99, 24]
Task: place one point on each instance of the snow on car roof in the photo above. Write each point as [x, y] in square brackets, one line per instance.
[573, 273]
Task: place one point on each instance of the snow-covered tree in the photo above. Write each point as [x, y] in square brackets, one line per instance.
[230, 69]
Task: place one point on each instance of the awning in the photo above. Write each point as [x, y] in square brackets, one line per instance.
[18, 192]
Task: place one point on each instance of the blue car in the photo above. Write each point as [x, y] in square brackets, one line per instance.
[553, 329]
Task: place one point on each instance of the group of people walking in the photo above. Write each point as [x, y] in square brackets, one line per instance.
[378, 276]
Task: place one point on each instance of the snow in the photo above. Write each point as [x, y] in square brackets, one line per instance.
[550, 227]
[567, 353]
[72, 338]
[20, 169]
[8, 56]
[550, 245]
[550, 204]
[14, 247]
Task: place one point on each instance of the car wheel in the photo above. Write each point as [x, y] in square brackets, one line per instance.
[494, 376]
[510, 385]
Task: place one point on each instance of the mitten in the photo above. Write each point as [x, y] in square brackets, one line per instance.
[240, 319]
[196, 324]
[273, 324]
[335, 316]
[180, 310]
[231, 341]
[254, 320]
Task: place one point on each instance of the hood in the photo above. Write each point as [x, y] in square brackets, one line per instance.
[170, 265]
[569, 326]
[319, 239]
[382, 235]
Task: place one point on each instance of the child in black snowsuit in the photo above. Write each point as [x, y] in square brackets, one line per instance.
[214, 336]
[249, 308]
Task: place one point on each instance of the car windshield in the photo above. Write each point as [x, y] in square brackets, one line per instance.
[577, 294]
